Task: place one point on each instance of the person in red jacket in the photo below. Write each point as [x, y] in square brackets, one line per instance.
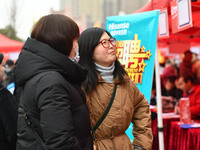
[186, 84]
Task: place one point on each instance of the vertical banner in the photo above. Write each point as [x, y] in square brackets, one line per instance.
[136, 36]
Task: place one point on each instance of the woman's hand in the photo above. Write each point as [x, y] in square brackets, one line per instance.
[177, 110]
[94, 147]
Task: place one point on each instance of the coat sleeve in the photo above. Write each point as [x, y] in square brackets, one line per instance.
[56, 117]
[195, 101]
[141, 120]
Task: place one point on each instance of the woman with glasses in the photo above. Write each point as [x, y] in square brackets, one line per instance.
[106, 81]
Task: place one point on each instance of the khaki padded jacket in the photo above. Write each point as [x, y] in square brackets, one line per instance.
[129, 105]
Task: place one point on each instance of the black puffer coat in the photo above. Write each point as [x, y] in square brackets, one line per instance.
[8, 119]
[52, 98]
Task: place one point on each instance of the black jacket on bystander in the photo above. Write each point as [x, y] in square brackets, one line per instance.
[8, 119]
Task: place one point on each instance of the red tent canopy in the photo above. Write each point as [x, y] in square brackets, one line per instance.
[180, 41]
[8, 45]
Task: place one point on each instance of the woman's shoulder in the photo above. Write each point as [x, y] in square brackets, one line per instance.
[49, 77]
[128, 80]
[6, 98]
[196, 88]
[47, 81]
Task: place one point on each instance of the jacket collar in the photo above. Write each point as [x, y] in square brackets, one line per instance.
[37, 57]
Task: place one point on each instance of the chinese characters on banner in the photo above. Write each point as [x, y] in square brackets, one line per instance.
[132, 56]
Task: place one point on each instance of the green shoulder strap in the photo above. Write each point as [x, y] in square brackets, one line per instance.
[107, 109]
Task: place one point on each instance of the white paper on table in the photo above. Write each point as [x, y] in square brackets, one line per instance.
[170, 115]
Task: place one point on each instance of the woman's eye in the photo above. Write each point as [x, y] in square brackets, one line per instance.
[104, 42]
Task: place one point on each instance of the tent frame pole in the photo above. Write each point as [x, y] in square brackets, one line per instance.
[159, 103]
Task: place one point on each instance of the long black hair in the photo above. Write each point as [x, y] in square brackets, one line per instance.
[88, 40]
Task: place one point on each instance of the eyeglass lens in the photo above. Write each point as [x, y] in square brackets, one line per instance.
[106, 43]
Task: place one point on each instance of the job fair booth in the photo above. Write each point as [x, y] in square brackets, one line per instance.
[178, 31]
[170, 27]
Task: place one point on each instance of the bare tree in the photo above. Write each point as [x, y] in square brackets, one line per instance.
[10, 17]
[13, 13]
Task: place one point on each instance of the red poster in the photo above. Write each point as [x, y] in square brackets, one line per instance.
[181, 15]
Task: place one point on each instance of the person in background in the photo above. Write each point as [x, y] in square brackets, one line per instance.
[98, 54]
[153, 91]
[8, 114]
[170, 93]
[9, 81]
[52, 114]
[186, 64]
[196, 66]
[8, 72]
[192, 91]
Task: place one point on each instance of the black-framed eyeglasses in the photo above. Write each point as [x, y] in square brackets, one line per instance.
[106, 43]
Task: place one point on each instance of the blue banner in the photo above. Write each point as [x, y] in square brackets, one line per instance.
[136, 36]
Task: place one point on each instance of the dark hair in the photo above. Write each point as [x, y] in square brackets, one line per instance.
[1, 57]
[172, 79]
[187, 52]
[187, 78]
[187, 56]
[56, 30]
[9, 62]
[87, 42]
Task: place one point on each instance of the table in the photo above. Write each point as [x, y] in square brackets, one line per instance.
[183, 139]
[167, 119]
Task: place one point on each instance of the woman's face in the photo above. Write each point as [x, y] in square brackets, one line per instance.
[2, 70]
[102, 55]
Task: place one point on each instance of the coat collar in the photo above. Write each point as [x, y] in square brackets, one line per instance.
[37, 57]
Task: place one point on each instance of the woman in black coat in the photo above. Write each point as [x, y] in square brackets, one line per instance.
[8, 114]
[52, 112]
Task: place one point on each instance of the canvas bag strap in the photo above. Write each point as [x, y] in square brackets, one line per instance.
[106, 111]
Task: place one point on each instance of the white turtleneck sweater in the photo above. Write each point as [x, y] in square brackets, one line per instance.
[106, 72]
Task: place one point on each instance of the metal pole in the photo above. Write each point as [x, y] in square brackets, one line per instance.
[159, 103]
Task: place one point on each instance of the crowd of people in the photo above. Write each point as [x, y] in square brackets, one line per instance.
[181, 80]
[71, 92]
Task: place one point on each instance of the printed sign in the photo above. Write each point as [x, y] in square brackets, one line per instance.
[181, 15]
[136, 36]
[163, 27]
